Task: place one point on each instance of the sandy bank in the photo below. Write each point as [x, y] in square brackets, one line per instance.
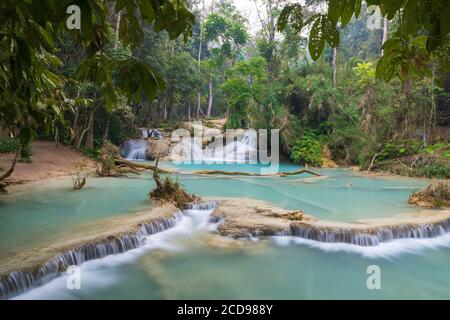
[48, 162]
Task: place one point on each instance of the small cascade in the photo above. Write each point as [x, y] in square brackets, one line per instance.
[208, 205]
[19, 281]
[134, 149]
[243, 149]
[144, 133]
[371, 236]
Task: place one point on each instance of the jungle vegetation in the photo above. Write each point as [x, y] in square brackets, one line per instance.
[373, 97]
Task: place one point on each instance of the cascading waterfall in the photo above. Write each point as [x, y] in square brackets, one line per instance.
[134, 149]
[144, 133]
[364, 237]
[159, 233]
[243, 149]
[19, 281]
[370, 237]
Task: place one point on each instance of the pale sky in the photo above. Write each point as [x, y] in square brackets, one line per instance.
[248, 10]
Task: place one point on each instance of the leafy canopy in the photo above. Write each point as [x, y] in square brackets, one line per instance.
[422, 33]
[31, 93]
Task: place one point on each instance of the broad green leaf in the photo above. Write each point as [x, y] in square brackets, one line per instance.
[147, 11]
[316, 41]
[357, 10]
[347, 12]
[335, 9]
[330, 32]
[445, 20]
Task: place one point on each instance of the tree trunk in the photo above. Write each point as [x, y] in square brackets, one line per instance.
[56, 136]
[210, 97]
[156, 175]
[108, 121]
[197, 112]
[385, 32]
[334, 66]
[199, 58]
[8, 173]
[75, 125]
[165, 111]
[90, 133]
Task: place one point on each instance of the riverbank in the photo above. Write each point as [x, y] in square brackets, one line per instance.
[48, 161]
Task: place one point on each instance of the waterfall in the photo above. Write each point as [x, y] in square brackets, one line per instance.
[144, 133]
[243, 149]
[187, 222]
[134, 149]
[20, 281]
[370, 236]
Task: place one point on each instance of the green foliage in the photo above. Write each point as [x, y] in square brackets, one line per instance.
[433, 170]
[242, 92]
[92, 153]
[32, 93]
[442, 148]
[308, 150]
[8, 145]
[26, 153]
[365, 71]
[423, 31]
[171, 191]
[398, 149]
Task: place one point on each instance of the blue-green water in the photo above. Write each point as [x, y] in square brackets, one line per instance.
[181, 264]
[299, 269]
[28, 217]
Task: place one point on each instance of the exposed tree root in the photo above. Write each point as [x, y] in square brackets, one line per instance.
[136, 165]
[170, 191]
[434, 196]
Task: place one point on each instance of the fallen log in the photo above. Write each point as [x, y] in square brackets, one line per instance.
[238, 173]
[136, 165]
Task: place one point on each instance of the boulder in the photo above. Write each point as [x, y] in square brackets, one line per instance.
[157, 148]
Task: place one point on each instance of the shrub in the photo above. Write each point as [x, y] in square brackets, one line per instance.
[435, 196]
[79, 172]
[171, 191]
[308, 150]
[432, 170]
[92, 153]
[440, 147]
[107, 159]
[25, 153]
[398, 149]
[8, 145]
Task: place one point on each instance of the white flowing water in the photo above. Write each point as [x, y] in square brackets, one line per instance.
[193, 221]
[134, 149]
[181, 262]
[242, 150]
[144, 133]
[287, 268]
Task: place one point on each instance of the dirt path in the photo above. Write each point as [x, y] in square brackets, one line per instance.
[48, 162]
